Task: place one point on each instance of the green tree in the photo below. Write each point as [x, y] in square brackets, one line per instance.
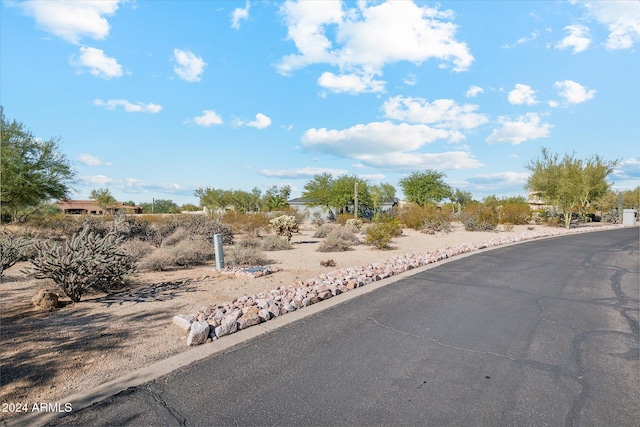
[32, 171]
[425, 187]
[103, 198]
[276, 198]
[189, 207]
[461, 198]
[213, 198]
[317, 192]
[337, 194]
[571, 184]
[380, 194]
[160, 206]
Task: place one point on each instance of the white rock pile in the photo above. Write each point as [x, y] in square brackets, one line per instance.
[216, 321]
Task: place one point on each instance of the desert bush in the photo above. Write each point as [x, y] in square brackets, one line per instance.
[245, 256]
[380, 234]
[437, 221]
[323, 231]
[13, 249]
[185, 253]
[340, 239]
[479, 217]
[343, 218]
[206, 228]
[275, 243]
[252, 223]
[178, 235]
[515, 212]
[317, 219]
[137, 249]
[413, 215]
[354, 222]
[250, 242]
[285, 225]
[86, 261]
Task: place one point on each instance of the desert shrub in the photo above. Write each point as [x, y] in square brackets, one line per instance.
[252, 223]
[514, 212]
[13, 249]
[206, 228]
[185, 253]
[479, 217]
[86, 261]
[413, 215]
[317, 219]
[354, 222]
[275, 243]
[137, 249]
[437, 221]
[245, 256]
[333, 243]
[340, 239]
[323, 231]
[178, 235]
[250, 242]
[343, 218]
[380, 234]
[289, 211]
[285, 225]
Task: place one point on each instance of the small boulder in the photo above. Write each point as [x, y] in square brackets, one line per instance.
[45, 300]
[199, 333]
[228, 326]
[184, 321]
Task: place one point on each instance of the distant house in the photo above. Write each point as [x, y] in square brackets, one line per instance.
[323, 212]
[89, 207]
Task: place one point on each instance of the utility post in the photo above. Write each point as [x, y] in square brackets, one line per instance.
[355, 199]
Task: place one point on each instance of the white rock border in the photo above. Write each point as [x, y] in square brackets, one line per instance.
[241, 313]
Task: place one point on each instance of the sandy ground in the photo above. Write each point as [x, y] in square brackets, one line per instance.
[46, 356]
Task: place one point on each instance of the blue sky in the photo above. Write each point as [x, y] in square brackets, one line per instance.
[153, 99]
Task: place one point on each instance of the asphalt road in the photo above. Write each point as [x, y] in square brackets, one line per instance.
[541, 333]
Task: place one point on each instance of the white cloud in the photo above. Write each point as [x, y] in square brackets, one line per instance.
[96, 179]
[501, 178]
[523, 129]
[189, 66]
[375, 177]
[387, 145]
[441, 113]
[474, 91]
[622, 19]
[350, 83]
[90, 160]
[260, 122]
[239, 14]
[98, 63]
[208, 118]
[139, 107]
[578, 38]
[410, 80]
[72, 19]
[627, 170]
[308, 172]
[522, 94]
[367, 38]
[574, 93]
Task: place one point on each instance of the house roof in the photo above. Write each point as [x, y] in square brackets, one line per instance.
[89, 205]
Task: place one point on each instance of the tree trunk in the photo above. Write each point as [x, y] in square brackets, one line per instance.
[567, 219]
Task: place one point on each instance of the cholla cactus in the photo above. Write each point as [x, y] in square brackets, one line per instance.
[286, 225]
[86, 261]
[354, 222]
[12, 250]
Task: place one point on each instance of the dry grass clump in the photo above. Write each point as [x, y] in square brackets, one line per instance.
[137, 249]
[187, 252]
[323, 231]
[340, 239]
[239, 255]
[275, 243]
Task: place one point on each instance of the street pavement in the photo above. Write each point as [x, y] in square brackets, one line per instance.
[543, 333]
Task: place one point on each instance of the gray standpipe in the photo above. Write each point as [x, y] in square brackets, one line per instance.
[217, 241]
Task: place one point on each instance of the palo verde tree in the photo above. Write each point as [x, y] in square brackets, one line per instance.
[103, 198]
[337, 194]
[425, 187]
[569, 183]
[32, 171]
[276, 198]
[381, 194]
